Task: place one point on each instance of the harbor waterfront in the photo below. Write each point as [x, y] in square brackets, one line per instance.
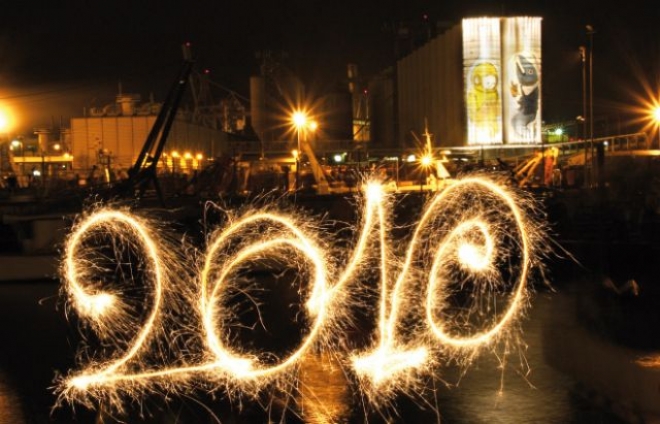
[45, 343]
[464, 227]
[587, 304]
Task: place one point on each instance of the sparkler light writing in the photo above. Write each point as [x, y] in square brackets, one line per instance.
[473, 237]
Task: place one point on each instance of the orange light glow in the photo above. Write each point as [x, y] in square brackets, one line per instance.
[6, 120]
[463, 236]
[656, 115]
[299, 119]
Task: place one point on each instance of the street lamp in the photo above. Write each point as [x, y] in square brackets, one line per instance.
[426, 161]
[5, 121]
[583, 57]
[655, 114]
[590, 34]
[299, 120]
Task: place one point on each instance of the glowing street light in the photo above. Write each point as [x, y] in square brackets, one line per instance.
[426, 160]
[655, 115]
[302, 123]
[299, 120]
[5, 120]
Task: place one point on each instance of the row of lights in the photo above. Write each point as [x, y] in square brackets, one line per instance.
[16, 145]
[183, 162]
[187, 155]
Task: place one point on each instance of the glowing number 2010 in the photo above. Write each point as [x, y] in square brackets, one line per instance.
[466, 232]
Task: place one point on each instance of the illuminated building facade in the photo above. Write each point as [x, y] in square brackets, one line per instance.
[478, 83]
[113, 136]
[502, 74]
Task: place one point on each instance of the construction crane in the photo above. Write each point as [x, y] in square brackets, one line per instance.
[143, 171]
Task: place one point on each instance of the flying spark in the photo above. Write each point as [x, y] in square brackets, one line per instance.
[459, 288]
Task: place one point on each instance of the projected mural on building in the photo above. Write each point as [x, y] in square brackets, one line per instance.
[502, 74]
[483, 82]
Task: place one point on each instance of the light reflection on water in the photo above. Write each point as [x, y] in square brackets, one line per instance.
[543, 396]
[486, 393]
[324, 394]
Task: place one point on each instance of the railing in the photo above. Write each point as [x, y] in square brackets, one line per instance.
[284, 147]
[613, 143]
[635, 141]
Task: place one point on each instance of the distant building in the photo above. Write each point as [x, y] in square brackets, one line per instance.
[477, 83]
[113, 136]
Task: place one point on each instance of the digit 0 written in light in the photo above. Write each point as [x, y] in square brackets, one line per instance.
[466, 232]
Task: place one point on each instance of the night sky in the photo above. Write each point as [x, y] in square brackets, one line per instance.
[57, 58]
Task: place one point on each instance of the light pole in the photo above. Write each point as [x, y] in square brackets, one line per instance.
[299, 120]
[426, 161]
[583, 57]
[583, 118]
[590, 34]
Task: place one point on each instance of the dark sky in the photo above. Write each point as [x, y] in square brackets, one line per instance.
[58, 57]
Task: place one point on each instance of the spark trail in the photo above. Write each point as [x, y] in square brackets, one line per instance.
[457, 288]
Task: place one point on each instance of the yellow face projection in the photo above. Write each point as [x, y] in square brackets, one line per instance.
[483, 100]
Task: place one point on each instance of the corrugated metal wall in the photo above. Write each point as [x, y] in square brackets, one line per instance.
[382, 97]
[122, 137]
[430, 87]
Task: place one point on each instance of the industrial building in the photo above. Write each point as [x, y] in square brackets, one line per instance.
[113, 136]
[476, 83]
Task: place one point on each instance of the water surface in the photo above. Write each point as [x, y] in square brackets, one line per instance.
[38, 343]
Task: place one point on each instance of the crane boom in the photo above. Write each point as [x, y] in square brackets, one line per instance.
[143, 170]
